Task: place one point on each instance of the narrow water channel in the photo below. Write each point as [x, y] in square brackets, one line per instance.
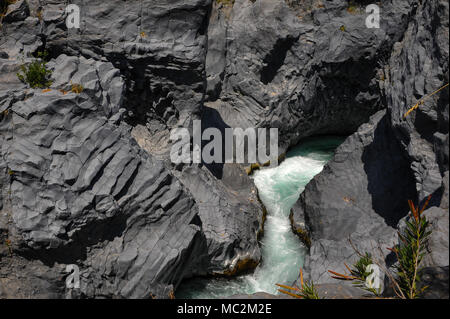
[282, 251]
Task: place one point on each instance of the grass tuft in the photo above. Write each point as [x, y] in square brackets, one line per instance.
[36, 74]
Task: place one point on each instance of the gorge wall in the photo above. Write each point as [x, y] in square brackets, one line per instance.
[86, 179]
[362, 193]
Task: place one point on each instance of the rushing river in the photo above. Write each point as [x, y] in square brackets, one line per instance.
[282, 251]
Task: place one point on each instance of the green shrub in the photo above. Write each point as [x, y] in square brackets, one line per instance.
[306, 291]
[410, 252]
[36, 73]
[358, 274]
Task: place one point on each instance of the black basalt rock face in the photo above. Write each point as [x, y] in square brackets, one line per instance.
[85, 174]
[362, 193]
[76, 186]
[292, 65]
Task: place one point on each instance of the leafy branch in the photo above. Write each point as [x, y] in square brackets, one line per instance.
[306, 291]
[411, 250]
[359, 274]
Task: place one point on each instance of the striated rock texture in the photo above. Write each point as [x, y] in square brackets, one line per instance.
[230, 216]
[81, 191]
[313, 67]
[85, 178]
[337, 203]
[363, 191]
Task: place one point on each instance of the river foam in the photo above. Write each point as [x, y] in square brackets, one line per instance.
[282, 251]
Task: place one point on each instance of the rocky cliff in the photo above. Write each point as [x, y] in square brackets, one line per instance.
[313, 67]
[77, 187]
[85, 177]
[362, 193]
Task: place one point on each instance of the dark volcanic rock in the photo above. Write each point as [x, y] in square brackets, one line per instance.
[158, 46]
[363, 191]
[82, 192]
[296, 68]
[436, 279]
[260, 295]
[17, 11]
[77, 188]
[438, 249]
[232, 218]
[422, 133]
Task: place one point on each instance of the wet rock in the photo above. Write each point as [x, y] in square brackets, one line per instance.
[299, 226]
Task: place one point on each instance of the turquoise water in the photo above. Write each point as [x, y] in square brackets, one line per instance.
[282, 251]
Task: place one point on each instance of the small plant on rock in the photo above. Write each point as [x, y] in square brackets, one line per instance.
[359, 274]
[352, 7]
[422, 100]
[410, 252]
[36, 74]
[4, 6]
[39, 14]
